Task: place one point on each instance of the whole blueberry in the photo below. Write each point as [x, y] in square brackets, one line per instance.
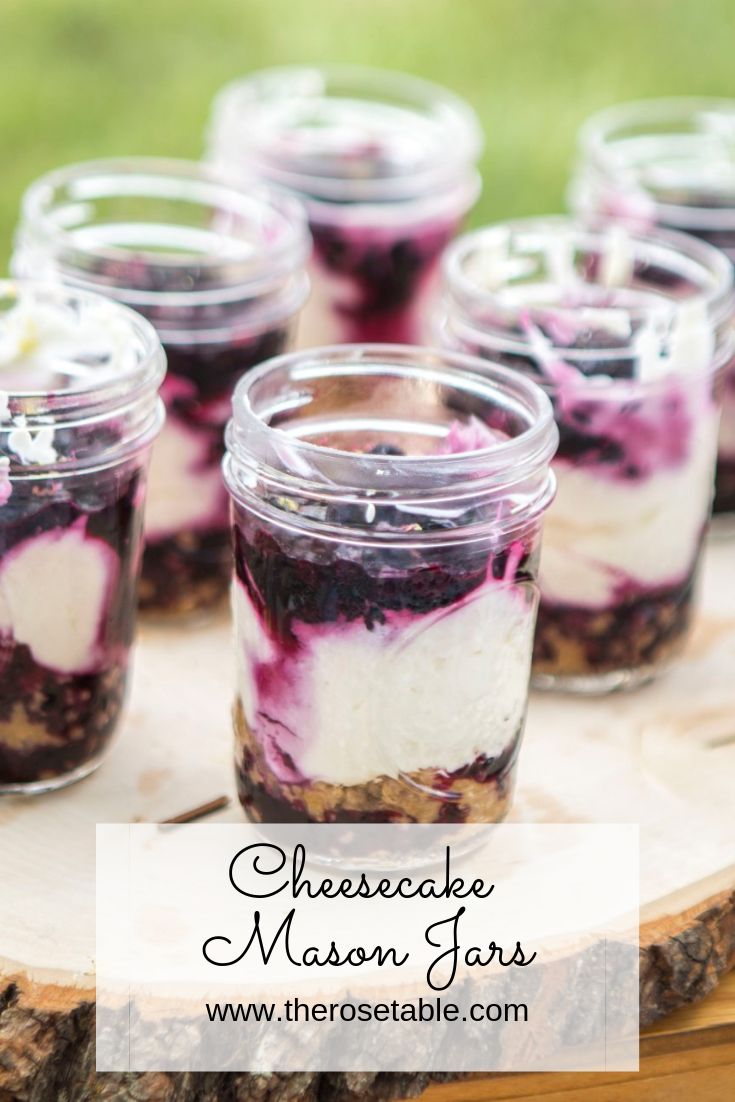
[386, 449]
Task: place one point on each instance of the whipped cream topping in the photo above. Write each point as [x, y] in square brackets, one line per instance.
[46, 346]
[349, 705]
[54, 591]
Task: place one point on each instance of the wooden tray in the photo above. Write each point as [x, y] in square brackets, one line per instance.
[663, 756]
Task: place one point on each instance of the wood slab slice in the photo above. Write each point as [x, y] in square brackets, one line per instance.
[663, 756]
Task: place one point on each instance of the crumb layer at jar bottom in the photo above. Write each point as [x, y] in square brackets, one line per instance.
[642, 633]
[725, 486]
[186, 573]
[480, 792]
[57, 725]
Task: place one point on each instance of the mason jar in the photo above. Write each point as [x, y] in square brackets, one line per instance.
[387, 512]
[385, 165]
[79, 411]
[670, 163]
[630, 336]
[219, 273]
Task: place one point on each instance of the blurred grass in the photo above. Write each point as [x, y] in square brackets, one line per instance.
[84, 78]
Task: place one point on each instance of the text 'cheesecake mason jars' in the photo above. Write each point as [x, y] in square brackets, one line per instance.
[388, 504]
[384, 164]
[668, 163]
[630, 336]
[219, 272]
[79, 410]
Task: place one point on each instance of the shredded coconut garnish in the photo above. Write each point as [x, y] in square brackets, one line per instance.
[617, 260]
[469, 436]
[31, 447]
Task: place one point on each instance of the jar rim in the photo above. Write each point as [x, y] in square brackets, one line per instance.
[252, 440]
[455, 333]
[114, 393]
[458, 142]
[207, 276]
[108, 393]
[655, 117]
[464, 296]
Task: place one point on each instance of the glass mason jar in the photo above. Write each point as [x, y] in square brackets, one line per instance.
[79, 410]
[384, 164]
[387, 511]
[630, 336]
[668, 163]
[219, 273]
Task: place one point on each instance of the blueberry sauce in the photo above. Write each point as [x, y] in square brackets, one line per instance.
[388, 274]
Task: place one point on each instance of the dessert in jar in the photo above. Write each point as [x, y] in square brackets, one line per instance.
[630, 336]
[219, 272]
[384, 164]
[387, 513]
[668, 163]
[79, 411]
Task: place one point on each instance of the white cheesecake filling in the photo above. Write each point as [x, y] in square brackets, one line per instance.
[54, 594]
[601, 534]
[185, 490]
[433, 691]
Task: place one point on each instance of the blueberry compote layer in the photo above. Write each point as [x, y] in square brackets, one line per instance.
[377, 281]
[187, 563]
[69, 561]
[379, 684]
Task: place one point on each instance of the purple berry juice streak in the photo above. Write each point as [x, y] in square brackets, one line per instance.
[388, 278]
[294, 582]
[190, 569]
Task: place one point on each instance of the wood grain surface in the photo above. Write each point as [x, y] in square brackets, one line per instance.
[663, 756]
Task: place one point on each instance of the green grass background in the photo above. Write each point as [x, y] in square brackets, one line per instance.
[83, 78]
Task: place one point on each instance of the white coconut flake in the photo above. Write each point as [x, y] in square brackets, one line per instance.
[487, 267]
[47, 346]
[36, 447]
[617, 261]
[692, 343]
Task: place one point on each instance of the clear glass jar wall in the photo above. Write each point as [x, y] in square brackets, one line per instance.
[631, 338]
[668, 163]
[387, 511]
[384, 164]
[219, 272]
[80, 411]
